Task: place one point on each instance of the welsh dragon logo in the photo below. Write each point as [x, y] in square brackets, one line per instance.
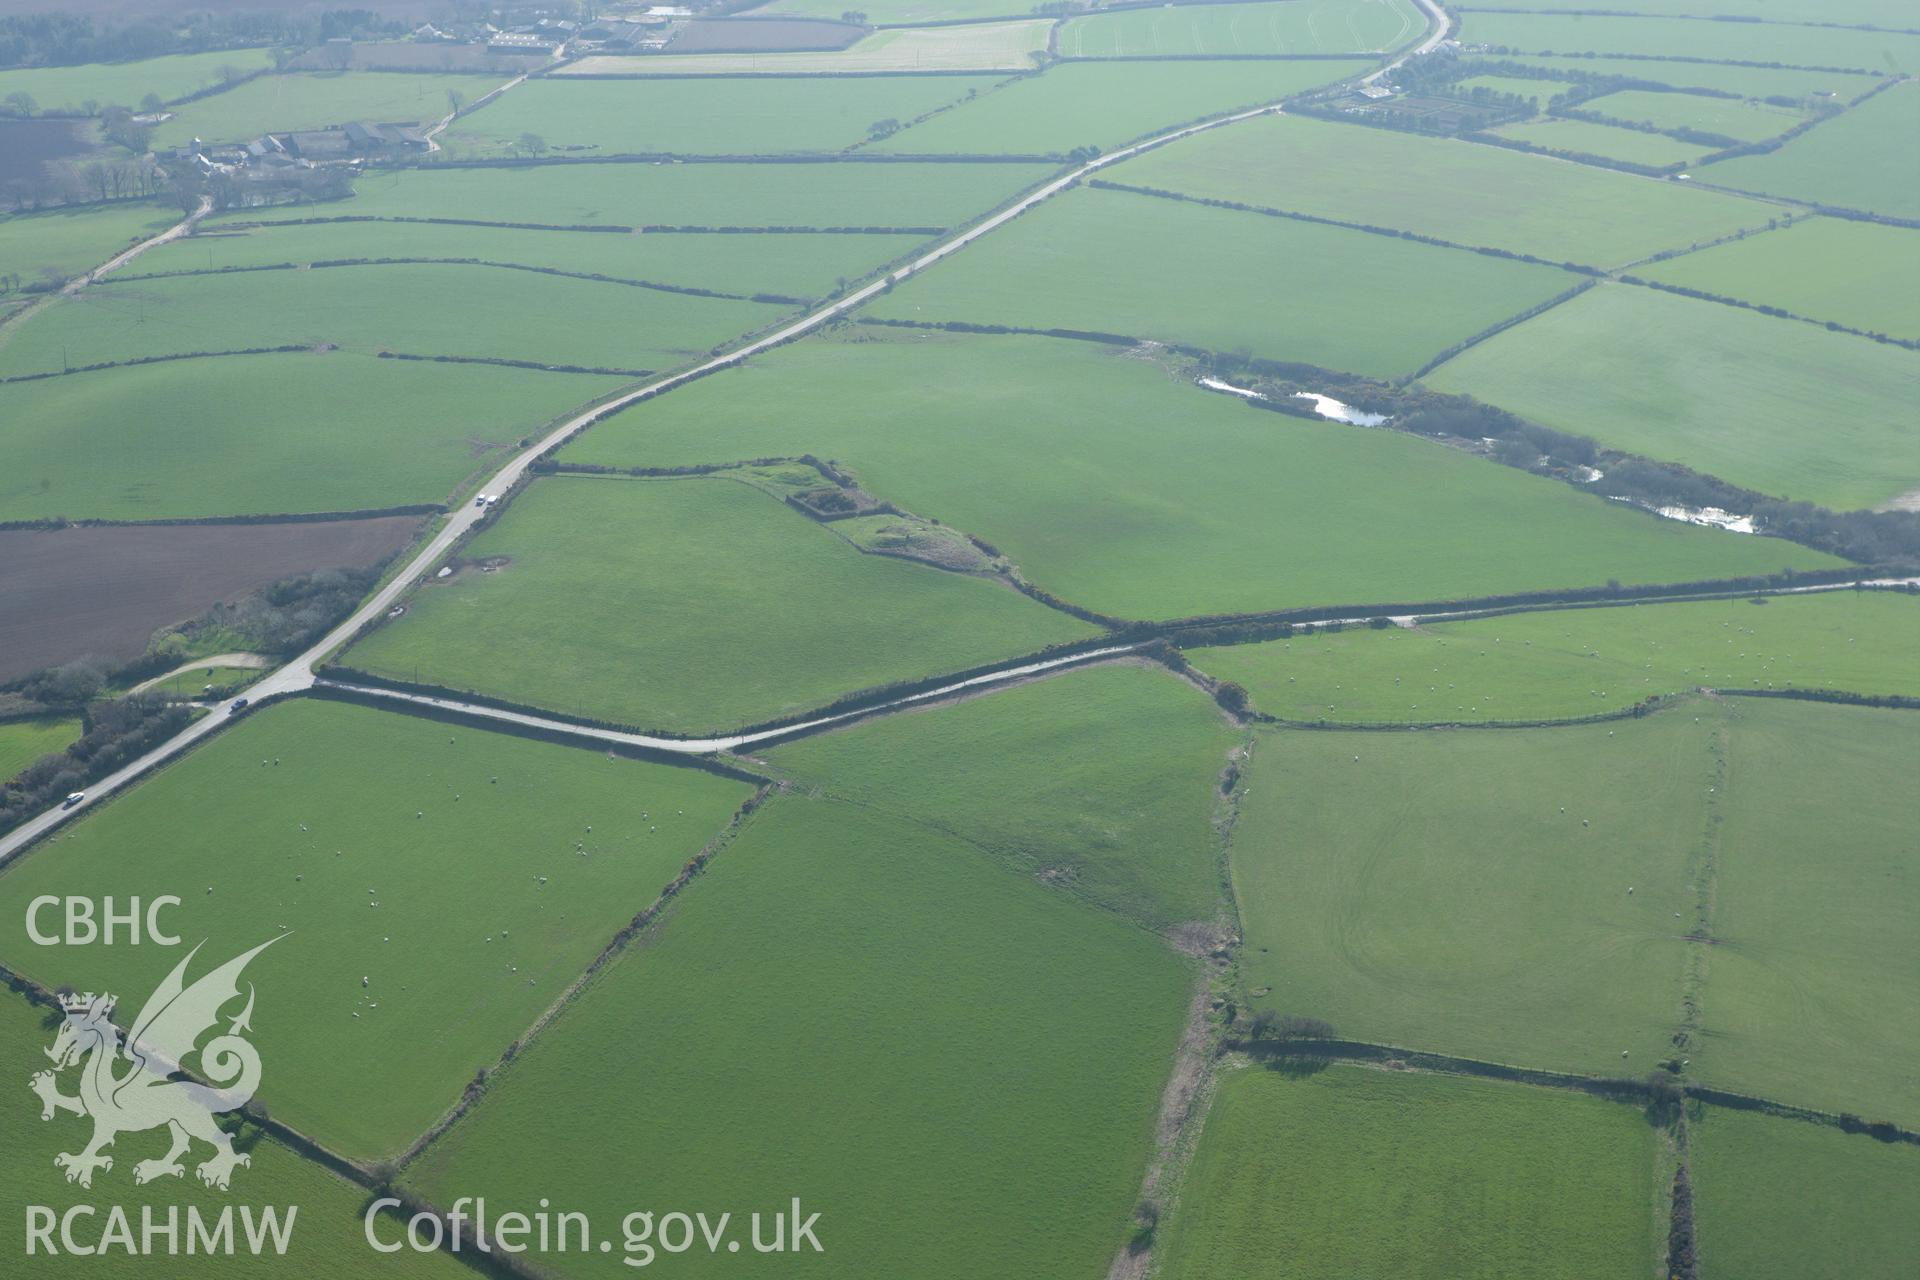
[150, 1092]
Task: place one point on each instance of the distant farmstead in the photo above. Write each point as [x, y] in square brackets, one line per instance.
[523, 42]
[347, 141]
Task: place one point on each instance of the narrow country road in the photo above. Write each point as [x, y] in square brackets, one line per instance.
[125, 256]
[251, 661]
[1438, 32]
[297, 676]
[114, 263]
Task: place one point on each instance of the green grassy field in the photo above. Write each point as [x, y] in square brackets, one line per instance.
[60, 243]
[1862, 274]
[984, 46]
[731, 608]
[1850, 163]
[416, 308]
[789, 265]
[318, 100]
[1104, 105]
[1775, 405]
[1880, 13]
[1751, 82]
[260, 434]
[467, 921]
[126, 83]
[1370, 1174]
[1580, 136]
[1579, 662]
[1127, 490]
[710, 195]
[190, 684]
[1467, 892]
[1542, 91]
[1677, 37]
[1815, 913]
[708, 117]
[24, 741]
[1748, 121]
[1099, 782]
[1460, 191]
[1224, 280]
[326, 1244]
[1779, 1199]
[1317, 26]
[944, 1060]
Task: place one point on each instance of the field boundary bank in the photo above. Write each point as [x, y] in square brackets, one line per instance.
[135, 362]
[1602, 12]
[931, 73]
[1897, 586]
[1843, 697]
[1614, 1088]
[1216, 629]
[51, 524]
[1495, 330]
[1812, 207]
[1488, 251]
[1651, 705]
[1766, 309]
[1590, 55]
[1767, 146]
[588, 228]
[328, 264]
[848, 156]
[315, 349]
[643, 920]
[1590, 159]
[1081, 59]
[533, 366]
[1186, 1100]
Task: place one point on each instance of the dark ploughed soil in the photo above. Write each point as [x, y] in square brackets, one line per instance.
[67, 593]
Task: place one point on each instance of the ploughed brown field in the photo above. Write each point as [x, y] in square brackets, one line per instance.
[104, 590]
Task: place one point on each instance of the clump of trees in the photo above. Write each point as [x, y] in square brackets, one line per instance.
[285, 617]
[45, 186]
[73, 684]
[300, 186]
[1268, 1025]
[1233, 698]
[55, 39]
[113, 734]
